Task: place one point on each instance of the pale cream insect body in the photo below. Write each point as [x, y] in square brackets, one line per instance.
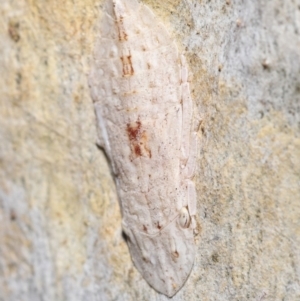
[144, 110]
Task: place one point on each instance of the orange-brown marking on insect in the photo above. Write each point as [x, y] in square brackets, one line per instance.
[138, 140]
[122, 32]
[137, 150]
[134, 130]
[127, 65]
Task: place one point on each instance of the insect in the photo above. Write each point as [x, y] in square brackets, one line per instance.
[138, 83]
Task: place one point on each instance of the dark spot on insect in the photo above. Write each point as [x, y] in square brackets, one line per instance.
[127, 65]
[148, 66]
[215, 257]
[13, 31]
[158, 226]
[145, 228]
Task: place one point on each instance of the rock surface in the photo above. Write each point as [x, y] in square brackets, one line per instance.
[60, 233]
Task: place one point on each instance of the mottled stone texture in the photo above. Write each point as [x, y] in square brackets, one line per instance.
[60, 223]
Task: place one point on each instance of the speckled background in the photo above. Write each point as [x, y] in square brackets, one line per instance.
[60, 223]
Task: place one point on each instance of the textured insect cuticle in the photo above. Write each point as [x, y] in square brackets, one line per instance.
[144, 116]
